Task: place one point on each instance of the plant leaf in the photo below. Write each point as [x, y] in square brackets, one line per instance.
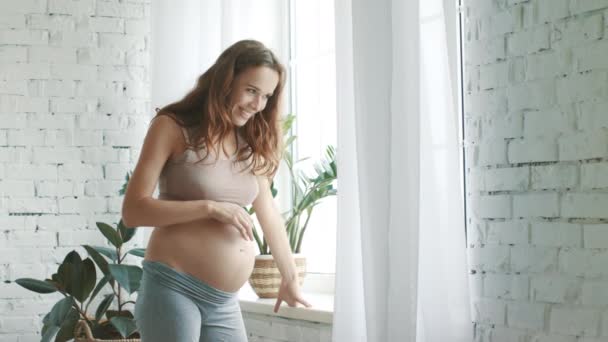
[99, 260]
[39, 286]
[103, 306]
[140, 252]
[125, 326]
[66, 331]
[126, 233]
[108, 252]
[101, 284]
[128, 276]
[60, 311]
[110, 233]
[83, 279]
[48, 332]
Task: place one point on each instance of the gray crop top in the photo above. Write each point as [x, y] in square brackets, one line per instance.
[189, 177]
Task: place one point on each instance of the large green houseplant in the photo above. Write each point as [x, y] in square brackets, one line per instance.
[76, 279]
[307, 191]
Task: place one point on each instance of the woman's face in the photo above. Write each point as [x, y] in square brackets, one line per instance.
[252, 89]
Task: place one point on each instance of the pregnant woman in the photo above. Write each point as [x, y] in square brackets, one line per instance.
[211, 153]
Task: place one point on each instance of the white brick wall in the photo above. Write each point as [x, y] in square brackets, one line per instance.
[536, 151]
[74, 105]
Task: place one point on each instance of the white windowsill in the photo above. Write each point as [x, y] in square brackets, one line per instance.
[317, 290]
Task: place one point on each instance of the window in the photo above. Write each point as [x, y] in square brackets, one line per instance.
[313, 101]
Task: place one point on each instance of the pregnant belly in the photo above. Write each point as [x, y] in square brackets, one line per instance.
[214, 252]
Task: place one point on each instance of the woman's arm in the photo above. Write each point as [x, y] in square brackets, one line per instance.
[274, 233]
[141, 209]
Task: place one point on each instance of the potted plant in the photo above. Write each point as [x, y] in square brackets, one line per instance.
[306, 192]
[76, 280]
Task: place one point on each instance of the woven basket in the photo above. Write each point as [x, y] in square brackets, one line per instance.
[83, 327]
[266, 279]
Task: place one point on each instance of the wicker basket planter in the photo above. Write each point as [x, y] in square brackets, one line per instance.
[266, 279]
[82, 333]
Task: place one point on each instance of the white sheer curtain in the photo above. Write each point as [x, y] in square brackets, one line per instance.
[401, 264]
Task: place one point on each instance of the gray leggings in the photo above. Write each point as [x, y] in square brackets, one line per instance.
[173, 306]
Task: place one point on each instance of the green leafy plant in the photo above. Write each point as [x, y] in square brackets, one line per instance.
[306, 191]
[76, 280]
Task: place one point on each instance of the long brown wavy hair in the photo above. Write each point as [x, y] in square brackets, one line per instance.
[205, 112]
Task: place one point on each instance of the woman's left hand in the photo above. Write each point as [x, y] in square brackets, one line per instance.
[289, 292]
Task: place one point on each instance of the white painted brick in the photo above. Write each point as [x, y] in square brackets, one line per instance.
[503, 179]
[82, 205]
[548, 64]
[51, 22]
[57, 137]
[31, 171]
[533, 259]
[12, 21]
[582, 87]
[3, 140]
[121, 138]
[590, 56]
[592, 115]
[577, 31]
[27, 270]
[594, 293]
[77, 171]
[32, 205]
[583, 205]
[16, 222]
[492, 152]
[26, 137]
[13, 103]
[554, 289]
[123, 106]
[583, 262]
[517, 69]
[556, 234]
[74, 39]
[137, 27]
[17, 188]
[129, 155]
[99, 88]
[536, 205]
[543, 337]
[555, 176]
[100, 24]
[137, 90]
[56, 155]
[486, 51]
[121, 10]
[74, 72]
[43, 88]
[549, 123]
[102, 188]
[61, 222]
[573, 321]
[531, 150]
[489, 258]
[529, 41]
[58, 189]
[594, 176]
[497, 25]
[52, 121]
[49, 54]
[121, 41]
[116, 171]
[526, 315]
[501, 286]
[19, 324]
[114, 204]
[26, 6]
[100, 155]
[87, 138]
[13, 54]
[595, 235]
[580, 6]
[101, 122]
[507, 126]
[75, 105]
[504, 334]
[21, 71]
[508, 232]
[13, 87]
[531, 95]
[73, 7]
[493, 206]
[13, 121]
[32, 239]
[476, 232]
[493, 75]
[550, 10]
[24, 37]
[138, 58]
[80, 237]
[101, 56]
[489, 311]
[15, 155]
[121, 73]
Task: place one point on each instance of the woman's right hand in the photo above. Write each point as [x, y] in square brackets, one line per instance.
[235, 215]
